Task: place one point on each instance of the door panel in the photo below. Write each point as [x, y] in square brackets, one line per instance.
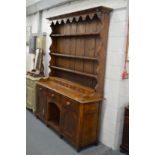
[41, 103]
[69, 123]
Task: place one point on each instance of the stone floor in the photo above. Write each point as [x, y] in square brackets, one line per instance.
[40, 140]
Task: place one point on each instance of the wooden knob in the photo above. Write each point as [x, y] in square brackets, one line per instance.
[40, 88]
[68, 103]
[52, 95]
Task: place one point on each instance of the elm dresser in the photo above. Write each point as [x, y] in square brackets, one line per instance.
[70, 100]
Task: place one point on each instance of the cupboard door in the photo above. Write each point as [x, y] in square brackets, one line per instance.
[41, 103]
[69, 123]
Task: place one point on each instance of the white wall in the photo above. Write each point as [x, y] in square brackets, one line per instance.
[116, 90]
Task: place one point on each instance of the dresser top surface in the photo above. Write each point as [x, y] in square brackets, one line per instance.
[70, 89]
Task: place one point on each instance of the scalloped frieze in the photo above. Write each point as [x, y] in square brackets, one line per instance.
[83, 17]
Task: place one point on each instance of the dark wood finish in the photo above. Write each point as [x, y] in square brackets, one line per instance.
[69, 89]
[41, 106]
[79, 46]
[125, 138]
[71, 109]
[74, 90]
[69, 125]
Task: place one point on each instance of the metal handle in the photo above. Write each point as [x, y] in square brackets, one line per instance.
[40, 88]
[68, 103]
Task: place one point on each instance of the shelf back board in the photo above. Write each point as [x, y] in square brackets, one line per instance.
[78, 49]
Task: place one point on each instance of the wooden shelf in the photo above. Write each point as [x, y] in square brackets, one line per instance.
[73, 71]
[76, 35]
[74, 56]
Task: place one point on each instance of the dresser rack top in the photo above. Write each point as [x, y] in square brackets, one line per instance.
[79, 44]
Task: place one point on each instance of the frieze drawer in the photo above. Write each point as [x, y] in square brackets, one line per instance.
[70, 104]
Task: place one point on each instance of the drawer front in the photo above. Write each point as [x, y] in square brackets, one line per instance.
[53, 96]
[41, 102]
[70, 104]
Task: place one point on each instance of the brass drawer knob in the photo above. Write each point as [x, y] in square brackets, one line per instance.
[68, 103]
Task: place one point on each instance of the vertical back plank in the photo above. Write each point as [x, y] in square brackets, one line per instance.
[66, 45]
[73, 45]
[89, 46]
[80, 46]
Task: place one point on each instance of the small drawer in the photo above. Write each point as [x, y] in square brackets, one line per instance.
[53, 96]
[70, 104]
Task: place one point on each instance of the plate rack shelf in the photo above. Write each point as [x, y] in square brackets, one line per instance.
[78, 49]
[73, 56]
